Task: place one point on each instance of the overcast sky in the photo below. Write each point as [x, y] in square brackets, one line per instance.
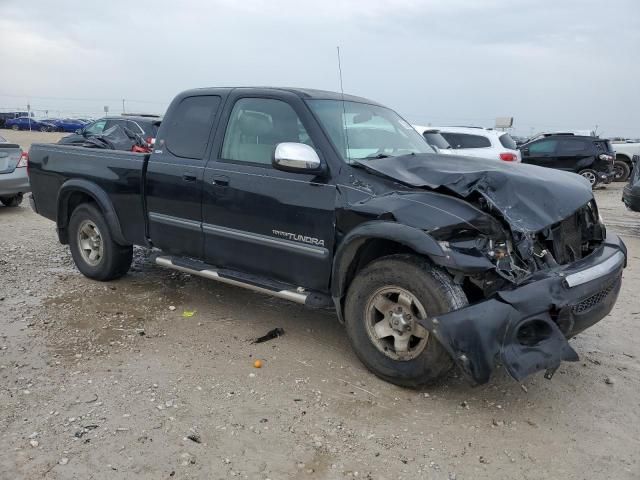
[550, 64]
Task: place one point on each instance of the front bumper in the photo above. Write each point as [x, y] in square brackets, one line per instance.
[527, 328]
[14, 182]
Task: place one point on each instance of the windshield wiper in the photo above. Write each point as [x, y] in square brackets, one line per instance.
[378, 155]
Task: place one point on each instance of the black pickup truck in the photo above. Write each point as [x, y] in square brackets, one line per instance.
[336, 201]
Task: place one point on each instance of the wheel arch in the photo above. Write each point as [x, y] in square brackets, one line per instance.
[624, 157]
[75, 192]
[373, 240]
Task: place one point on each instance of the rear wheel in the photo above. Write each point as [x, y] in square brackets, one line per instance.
[383, 307]
[12, 201]
[93, 250]
[591, 176]
[15, 127]
[621, 170]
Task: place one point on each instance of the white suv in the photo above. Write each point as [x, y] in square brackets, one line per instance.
[481, 142]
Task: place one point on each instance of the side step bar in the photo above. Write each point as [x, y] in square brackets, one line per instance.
[201, 269]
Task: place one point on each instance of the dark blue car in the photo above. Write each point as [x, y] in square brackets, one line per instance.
[70, 125]
[26, 123]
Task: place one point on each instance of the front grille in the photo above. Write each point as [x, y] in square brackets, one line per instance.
[590, 302]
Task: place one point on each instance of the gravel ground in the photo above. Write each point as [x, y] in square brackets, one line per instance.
[112, 381]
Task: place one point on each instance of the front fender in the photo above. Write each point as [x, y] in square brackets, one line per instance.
[101, 198]
[416, 239]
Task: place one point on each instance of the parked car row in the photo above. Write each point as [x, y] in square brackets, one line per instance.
[586, 155]
[44, 125]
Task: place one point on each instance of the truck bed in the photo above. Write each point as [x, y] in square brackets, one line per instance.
[119, 174]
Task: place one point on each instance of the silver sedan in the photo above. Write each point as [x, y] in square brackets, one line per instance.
[14, 181]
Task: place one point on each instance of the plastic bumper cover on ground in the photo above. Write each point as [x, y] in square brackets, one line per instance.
[526, 329]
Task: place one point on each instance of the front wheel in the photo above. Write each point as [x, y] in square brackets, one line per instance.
[383, 305]
[93, 250]
[13, 201]
[15, 128]
[591, 176]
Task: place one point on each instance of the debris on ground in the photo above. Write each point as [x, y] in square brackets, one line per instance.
[86, 429]
[188, 313]
[257, 364]
[194, 437]
[609, 380]
[270, 335]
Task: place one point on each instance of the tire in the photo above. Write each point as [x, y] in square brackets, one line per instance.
[591, 176]
[15, 128]
[435, 293]
[96, 255]
[13, 201]
[622, 171]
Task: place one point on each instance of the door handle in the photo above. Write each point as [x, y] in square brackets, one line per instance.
[189, 178]
[220, 180]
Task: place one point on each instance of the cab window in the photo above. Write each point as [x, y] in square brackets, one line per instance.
[256, 126]
[95, 128]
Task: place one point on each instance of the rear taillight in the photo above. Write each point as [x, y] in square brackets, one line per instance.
[508, 157]
[24, 160]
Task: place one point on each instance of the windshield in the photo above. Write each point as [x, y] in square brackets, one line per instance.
[436, 140]
[360, 131]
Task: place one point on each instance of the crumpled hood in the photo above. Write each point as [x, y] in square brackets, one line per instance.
[529, 197]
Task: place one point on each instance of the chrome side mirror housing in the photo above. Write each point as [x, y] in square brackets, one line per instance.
[296, 157]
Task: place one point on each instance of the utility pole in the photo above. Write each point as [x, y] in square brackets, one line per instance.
[123, 105]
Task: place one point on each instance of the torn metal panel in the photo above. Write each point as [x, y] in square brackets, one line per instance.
[530, 198]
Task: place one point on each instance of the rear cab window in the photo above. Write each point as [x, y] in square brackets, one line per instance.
[190, 126]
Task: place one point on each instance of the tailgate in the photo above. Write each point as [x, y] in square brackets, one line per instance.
[9, 157]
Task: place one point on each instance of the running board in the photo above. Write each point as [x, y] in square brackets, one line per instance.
[195, 267]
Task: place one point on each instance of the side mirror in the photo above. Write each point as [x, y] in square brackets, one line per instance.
[296, 157]
[79, 131]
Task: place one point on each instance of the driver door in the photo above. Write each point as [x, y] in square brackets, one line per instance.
[260, 220]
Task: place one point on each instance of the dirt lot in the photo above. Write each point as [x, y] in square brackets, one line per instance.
[109, 381]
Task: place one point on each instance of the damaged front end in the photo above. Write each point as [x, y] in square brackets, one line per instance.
[549, 271]
[526, 328]
[545, 288]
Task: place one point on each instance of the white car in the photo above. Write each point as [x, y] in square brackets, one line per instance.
[623, 164]
[435, 139]
[481, 142]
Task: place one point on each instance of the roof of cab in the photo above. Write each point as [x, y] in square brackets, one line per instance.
[305, 93]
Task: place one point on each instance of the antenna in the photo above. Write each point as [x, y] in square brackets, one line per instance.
[344, 110]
